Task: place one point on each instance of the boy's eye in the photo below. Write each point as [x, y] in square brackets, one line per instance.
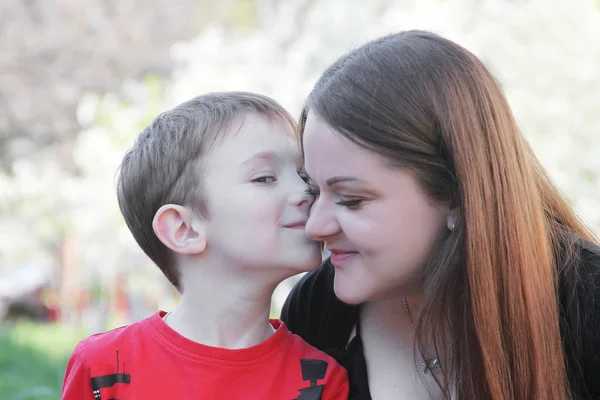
[264, 179]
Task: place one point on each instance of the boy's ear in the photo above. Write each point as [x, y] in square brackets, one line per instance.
[179, 229]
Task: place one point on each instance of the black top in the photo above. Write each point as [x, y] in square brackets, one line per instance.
[313, 312]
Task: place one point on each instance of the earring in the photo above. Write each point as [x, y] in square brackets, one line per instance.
[452, 220]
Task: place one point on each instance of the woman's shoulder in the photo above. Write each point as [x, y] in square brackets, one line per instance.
[581, 304]
[580, 273]
[588, 275]
[313, 311]
[589, 285]
[590, 256]
[309, 300]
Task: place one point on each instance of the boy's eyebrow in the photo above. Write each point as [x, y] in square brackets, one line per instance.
[264, 155]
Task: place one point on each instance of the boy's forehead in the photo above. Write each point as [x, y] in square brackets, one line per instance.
[273, 156]
[257, 137]
[252, 127]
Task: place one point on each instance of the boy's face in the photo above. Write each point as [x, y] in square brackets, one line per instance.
[257, 205]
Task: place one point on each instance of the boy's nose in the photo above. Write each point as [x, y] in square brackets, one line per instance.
[300, 196]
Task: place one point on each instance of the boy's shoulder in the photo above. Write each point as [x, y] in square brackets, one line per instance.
[305, 349]
[99, 345]
[105, 359]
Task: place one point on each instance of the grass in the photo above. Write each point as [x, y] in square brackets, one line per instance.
[33, 358]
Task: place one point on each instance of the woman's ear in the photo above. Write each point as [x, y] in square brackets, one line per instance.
[179, 229]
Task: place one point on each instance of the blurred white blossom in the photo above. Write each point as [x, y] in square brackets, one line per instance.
[544, 53]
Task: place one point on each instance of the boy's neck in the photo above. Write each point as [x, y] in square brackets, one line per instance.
[220, 312]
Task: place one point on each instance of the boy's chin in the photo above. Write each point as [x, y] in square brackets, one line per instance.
[306, 262]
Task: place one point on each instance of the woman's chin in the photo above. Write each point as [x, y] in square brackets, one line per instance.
[347, 294]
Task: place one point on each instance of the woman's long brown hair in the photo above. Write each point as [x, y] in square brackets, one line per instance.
[490, 290]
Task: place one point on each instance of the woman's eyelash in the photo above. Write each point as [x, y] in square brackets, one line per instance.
[351, 204]
[312, 191]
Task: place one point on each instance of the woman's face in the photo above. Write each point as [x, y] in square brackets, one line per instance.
[377, 222]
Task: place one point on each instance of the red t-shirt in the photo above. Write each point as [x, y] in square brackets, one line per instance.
[149, 360]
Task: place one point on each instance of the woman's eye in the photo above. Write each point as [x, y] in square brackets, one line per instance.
[351, 204]
[264, 179]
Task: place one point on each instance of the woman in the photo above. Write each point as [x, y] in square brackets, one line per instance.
[457, 270]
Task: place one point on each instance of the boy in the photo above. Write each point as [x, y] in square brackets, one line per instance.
[211, 192]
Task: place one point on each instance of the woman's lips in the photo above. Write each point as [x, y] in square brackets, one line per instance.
[340, 257]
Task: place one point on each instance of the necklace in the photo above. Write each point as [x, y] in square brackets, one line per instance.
[429, 362]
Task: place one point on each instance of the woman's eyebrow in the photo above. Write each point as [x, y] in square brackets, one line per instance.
[340, 179]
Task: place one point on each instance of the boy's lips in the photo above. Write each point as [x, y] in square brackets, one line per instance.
[296, 225]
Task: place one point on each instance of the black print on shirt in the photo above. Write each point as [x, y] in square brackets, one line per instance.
[312, 371]
[99, 382]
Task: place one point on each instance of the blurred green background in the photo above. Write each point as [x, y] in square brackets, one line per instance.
[33, 359]
[79, 80]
